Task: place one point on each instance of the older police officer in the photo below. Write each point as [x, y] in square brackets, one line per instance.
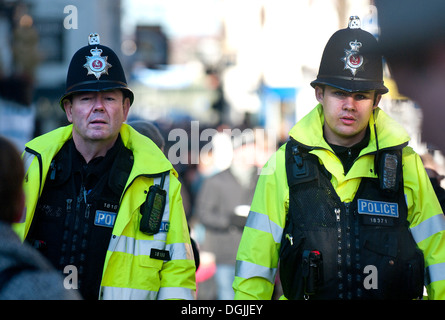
[90, 191]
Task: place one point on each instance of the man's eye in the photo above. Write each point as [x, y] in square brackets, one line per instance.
[340, 93]
[361, 97]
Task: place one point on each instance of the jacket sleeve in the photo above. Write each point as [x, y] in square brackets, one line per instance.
[31, 187]
[258, 252]
[178, 274]
[427, 223]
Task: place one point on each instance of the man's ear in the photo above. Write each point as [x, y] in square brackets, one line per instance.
[319, 94]
[377, 99]
[126, 107]
[67, 105]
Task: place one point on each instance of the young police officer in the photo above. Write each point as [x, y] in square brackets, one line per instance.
[103, 203]
[345, 206]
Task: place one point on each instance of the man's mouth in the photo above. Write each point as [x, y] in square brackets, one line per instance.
[347, 120]
[98, 121]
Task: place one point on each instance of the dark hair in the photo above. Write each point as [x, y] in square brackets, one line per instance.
[12, 174]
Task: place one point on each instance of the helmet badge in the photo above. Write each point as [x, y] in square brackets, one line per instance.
[96, 64]
[353, 60]
[354, 22]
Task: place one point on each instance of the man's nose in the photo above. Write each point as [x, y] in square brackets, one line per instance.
[349, 103]
[98, 103]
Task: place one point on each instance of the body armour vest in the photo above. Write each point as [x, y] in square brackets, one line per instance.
[75, 215]
[358, 250]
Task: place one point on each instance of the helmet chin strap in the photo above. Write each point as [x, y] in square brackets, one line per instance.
[377, 155]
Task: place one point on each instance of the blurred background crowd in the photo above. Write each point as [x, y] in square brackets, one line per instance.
[221, 64]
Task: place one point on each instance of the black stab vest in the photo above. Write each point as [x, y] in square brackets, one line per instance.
[74, 219]
[358, 250]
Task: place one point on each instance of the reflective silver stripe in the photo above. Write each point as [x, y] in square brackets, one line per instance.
[435, 272]
[428, 227]
[180, 251]
[176, 293]
[23, 217]
[114, 293]
[133, 246]
[249, 270]
[27, 160]
[260, 221]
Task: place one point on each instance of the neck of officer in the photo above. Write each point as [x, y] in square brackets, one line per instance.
[91, 149]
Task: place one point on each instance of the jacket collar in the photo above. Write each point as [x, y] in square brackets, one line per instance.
[148, 158]
[309, 131]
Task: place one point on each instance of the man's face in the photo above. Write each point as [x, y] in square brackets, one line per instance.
[97, 116]
[346, 114]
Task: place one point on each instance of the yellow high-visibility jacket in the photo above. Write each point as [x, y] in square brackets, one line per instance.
[258, 253]
[129, 272]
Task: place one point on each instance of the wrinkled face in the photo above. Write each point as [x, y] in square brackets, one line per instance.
[97, 116]
[346, 114]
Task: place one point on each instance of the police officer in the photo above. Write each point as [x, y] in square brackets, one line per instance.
[90, 190]
[345, 207]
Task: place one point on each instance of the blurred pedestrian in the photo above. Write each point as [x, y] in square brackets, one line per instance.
[149, 130]
[435, 178]
[102, 198]
[345, 205]
[24, 272]
[222, 206]
[412, 40]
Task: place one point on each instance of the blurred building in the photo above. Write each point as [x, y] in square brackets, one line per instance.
[239, 63]
[63, 27]
[38, 40]
[19, 59]
[278, 46]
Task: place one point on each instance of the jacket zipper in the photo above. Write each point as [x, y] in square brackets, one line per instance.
[348, 256]
[339, 250]
[344, 251]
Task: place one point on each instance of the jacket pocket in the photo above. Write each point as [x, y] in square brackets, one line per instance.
[291, 253]
[399, 265]
[148, 273]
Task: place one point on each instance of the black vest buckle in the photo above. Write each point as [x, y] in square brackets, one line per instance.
[299, 166]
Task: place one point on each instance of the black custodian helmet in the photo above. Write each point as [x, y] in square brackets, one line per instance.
[345, 67]
[95, 68]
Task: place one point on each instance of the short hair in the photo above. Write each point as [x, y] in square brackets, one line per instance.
[12, 173]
